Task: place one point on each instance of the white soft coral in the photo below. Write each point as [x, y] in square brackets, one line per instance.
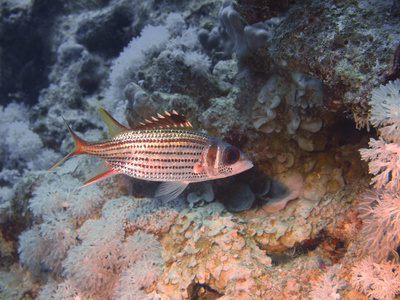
[94, 263]
[61, 193]
[43, 247]
[385, 110]
[384, 162]
[383, 154]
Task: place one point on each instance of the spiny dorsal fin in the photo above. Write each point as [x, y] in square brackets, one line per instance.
[167, 121]
[113, 126]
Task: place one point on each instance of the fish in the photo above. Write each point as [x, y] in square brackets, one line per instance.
[165, 149]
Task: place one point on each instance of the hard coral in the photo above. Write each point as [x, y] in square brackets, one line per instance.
[209, 247]
[253, 11]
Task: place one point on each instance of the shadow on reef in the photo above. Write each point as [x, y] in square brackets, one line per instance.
[199, 291]
[333, 248]
[250, 188]
[27, 55]
[24, 54]
[238, 193]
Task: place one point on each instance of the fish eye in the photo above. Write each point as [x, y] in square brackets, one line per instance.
[231, 155]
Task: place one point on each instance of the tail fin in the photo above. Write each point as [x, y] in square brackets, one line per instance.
[78, 149]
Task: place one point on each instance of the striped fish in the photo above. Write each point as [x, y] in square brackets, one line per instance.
[165, 149]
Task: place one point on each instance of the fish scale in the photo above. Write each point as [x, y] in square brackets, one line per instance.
[161, 150]
[161, 154]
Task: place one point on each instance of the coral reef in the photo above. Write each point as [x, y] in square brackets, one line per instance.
[293, 84]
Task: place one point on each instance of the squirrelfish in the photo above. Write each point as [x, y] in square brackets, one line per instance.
[165, 149]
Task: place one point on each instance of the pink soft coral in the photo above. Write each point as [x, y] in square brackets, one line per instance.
[384, 163]
[380, 211]
[383, 154]
[327, 286]
[377, 281]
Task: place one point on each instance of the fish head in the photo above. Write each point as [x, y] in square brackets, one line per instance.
[220, 159]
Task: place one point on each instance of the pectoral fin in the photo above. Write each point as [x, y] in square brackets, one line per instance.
[170, 190]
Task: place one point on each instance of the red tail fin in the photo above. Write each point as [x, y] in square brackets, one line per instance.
[78, 149]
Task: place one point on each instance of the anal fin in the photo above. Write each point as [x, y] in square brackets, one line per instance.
[169, 190]
[101, 172]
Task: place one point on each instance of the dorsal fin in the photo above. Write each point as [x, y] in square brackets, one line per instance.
[168, 120]
[113, 126]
